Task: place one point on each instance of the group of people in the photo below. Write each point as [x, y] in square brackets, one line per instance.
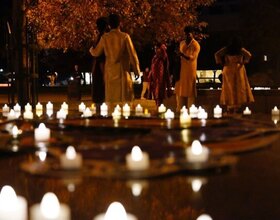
[114, 56]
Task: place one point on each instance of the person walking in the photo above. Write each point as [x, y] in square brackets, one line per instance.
[236, 90]
[185, 87]
[120, 56]
[146, 84]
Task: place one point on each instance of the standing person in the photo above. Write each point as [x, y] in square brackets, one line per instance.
[160, 81]
[74, 84]
[77, 75]
[120, 55]
[146, 83]
[185, 87]
[236, 90]
[98, 88]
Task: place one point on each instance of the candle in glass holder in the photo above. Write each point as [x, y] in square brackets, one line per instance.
[49, 106]
[12, 206]
[115, 211]
[116, 114]
[5, 108]
[193, 111]
[50, 209]
[82, 107]
[39, 107]
[64, 106]
[138, 110]
[17, 108]
[247, 111]
[42, 133]
[197, 152]
[185, 118]
[87, 113]
[71, 159]
[161, 108]
[218, 111]
[61, 114]
[169, 114]
[275, 111]
[104, 110]
[12, 115]
[28, 107]
[137, 160]
[202, 114]
[183, 109]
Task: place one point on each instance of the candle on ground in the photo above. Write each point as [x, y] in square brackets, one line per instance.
[247, 111]
[42, 133]
[197, 152]
[71, 159]
[275, 111]
[137, 160]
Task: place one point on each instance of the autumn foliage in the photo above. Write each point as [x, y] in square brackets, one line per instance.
[70, 24]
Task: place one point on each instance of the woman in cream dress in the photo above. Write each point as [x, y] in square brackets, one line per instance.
[236, 90]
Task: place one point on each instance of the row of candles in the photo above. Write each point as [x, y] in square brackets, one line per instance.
[14, 207]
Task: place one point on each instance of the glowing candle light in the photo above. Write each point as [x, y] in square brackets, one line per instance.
[5, 108]
[12, 206]
[61, 114]
[42, 133]
[17, 108]
[275, 111]
[50, 209]
[218, 111]
[87, 113]
[126, 110]
[185, 118]
[202, 114]
[15, 131]
[64, 106]
[71, 159]
[115, 211]
[82, 107]
[193, 111]
[49, 106]
[28, 115]
[104, 110]
[247, 111]
[204, 217]
[169, 114]
[39, 107]
[161, 108]
[12, 115]
[137, 160]
[28, 107]
[138, 110]
[197, 152]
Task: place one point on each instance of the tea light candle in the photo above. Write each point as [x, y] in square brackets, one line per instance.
[193, 111]
[126, 110]
[82, 107]
[15, 131]
[64, 106]
[138, 110]
[247, 111]
[87, 113]
[12, 206]
[218, 111]
[49, 106]
[50, 209]
[71, 159]
[183, 109]
[39, 113]
[39, 107]
[61, 114]
[202, 114]
[5, 108]
[197, 153]
[28, 107]
[169, 114]
[93, 108]
[17, 108]
[104, 110]
[12, 115]
[115, 211]
[185, 118]
[275, 111]
[161, 108]
[137, 160]
[116, 114]
[42, 133]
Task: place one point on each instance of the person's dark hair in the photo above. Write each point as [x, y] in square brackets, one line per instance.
[114, 20]
[188, 29]
[101, 24]
[235, 46]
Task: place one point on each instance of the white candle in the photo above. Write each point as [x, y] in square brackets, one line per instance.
[15, 131]
[218, 111]
[42, 133]
[82, 107]
[71, 159]
[39, 107]
[61, 114]
[115, 211]
[5, 108]
[126, 110]
[49, 112]
[197, 152]
[138, 110]
[193, 111]
[161, 108]
[247, 111]
[185, 118]
[17, 108]
[183, 109]
[49, 106]
[137, 160]
[116, 114]
[169, 114]
[87, 113]
[28, 107]
[104, 110]
[12, 206]
[39, 112]
[202, 114]
[204, 217]
[275, 111]
[64, 106]
[12, 115]
[50, 209]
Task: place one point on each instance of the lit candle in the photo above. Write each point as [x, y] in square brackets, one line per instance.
[64, 106]
[138, 110]
[87, 113]
[275, 111]
[169, 114]
[104, 110]
[49, 106]
[204, 217]
[39, 112]
[116, 114]
[197, 152]
[126, 110]
[61, 114]
[202, 114]
[137, 160]
[183, 109]
[39, 107]
[50, 209]
[49, 112]
[193, 111]
[12, 115]
[5, 108]
[137, 186]
[161, 108]
[185, 118]
[28, 107]
[82, 107]
[115, 211]
[93, 108]
[15, 131]
[17, 108]
[42, 133]
[71, 159]
[218, 111]
[247, 111]
[12, 206]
